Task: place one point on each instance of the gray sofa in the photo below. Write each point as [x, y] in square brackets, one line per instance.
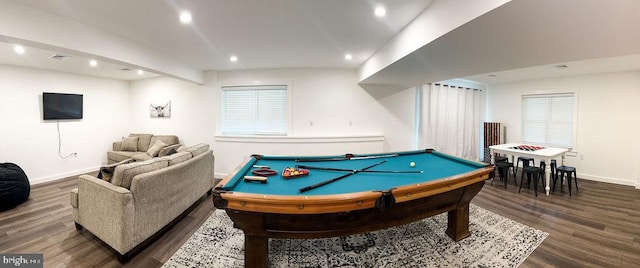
[140, 147]
[142, 198]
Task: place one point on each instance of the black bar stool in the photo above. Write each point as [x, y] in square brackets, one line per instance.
[535, 173]
[554, 165]
[560, 172]
[500, 158]
[503, 168]
[526, 161]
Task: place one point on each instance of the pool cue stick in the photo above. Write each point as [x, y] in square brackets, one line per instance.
[311, 187]
[369, 171]
[346, 158]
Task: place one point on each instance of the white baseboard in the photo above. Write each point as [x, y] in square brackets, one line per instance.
[609, 180]
[219, 175]
[62, 175]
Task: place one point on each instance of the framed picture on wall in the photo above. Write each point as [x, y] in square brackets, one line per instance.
[162, 110]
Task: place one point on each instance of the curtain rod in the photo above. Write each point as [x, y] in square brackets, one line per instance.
[438, 84]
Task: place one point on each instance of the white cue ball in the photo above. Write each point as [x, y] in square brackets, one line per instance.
[412, 164]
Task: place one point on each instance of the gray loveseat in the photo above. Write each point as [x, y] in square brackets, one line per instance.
[143, 198]
[140, 147]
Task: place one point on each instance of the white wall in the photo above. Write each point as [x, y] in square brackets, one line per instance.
[346, 118]
[32, 143]
[193, 112]
[398, 120]
[326, 103]
[608, 125]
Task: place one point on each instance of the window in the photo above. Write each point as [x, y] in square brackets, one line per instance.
[548, 119]
[254, 110]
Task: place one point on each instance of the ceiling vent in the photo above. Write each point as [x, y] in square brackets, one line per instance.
[60, 57]
[562, 66]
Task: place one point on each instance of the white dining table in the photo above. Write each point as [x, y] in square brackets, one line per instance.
[546, 154]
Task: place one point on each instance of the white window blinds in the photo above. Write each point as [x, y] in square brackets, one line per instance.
[254, 110]
[548, 119]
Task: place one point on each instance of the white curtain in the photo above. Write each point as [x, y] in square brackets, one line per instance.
[452, 120]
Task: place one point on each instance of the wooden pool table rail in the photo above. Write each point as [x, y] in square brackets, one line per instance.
[318, 204]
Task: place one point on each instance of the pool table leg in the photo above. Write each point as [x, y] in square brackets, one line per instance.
[458, 226]
[256, 251]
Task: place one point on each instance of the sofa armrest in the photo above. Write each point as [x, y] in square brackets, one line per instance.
[73, 195]
[107, 211]
[117, 146]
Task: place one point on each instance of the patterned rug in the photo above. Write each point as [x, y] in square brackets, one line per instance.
[495, 241]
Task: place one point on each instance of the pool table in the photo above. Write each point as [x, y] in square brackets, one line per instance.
[357, 194]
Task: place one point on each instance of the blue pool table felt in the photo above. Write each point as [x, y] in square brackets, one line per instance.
[435, 166]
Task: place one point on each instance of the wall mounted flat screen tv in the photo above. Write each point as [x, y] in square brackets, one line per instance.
[58, 106]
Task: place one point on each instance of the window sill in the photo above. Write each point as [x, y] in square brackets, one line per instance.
[299, 139]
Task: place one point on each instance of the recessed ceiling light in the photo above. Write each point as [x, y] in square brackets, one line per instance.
[140, 72]
[380, 11]
[185, 17]
[93, 63]
[233, 59]
[18, 49]
[348, 57]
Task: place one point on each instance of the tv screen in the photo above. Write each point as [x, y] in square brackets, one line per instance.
[57, 106]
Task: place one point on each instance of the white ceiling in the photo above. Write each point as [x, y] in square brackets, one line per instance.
[525, 39]
[262, 34]
[521, 40]
[42, 59]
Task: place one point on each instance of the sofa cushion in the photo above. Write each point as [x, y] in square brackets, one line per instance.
[167, 139]
[141, 157]
[106, 172]
[198, 149]
[165, 150]
[130, 144]
[117, 156]
[143, 141]
[177, 158]
[123, 175]
[155, 148]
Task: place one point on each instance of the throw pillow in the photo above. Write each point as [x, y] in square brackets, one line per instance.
[130, 144]
[165, 150]
[172, 151]
[106, 172]
[155, 148]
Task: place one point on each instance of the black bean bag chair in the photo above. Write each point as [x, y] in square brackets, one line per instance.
[14, 186]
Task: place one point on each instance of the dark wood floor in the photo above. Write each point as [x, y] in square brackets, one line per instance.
[597, 227]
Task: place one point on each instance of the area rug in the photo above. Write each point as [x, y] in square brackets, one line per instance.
[495, 241]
